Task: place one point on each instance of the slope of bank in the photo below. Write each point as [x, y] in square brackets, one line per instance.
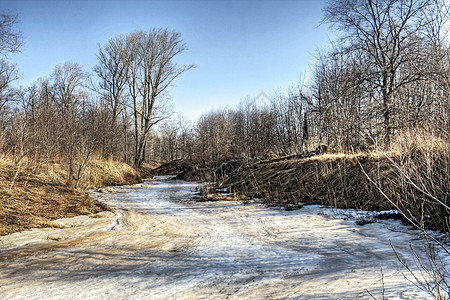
[34, 194]
[414, 179]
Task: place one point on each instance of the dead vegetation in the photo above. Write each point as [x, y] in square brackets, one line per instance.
[338, 180]
[417, 159]
[328, 179]
[34, 194]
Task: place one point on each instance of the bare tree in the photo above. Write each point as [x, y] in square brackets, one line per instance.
[70, 99]
[68, 79]
[340, 99]
[8, 74]
[113, 70]
[11, 39]
[387, 31]
[152, 71]
[170, 132]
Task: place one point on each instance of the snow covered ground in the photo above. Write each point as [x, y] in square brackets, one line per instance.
[159, 244]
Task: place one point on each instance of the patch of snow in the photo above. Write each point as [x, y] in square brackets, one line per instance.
[165, 246]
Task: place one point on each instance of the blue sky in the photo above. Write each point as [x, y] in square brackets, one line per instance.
[240, 48]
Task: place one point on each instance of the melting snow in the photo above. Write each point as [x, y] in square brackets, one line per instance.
[159, 244]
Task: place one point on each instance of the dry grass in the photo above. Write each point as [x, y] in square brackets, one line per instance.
[418, 159]
[107, 172]
[34, 194]
[423, 183]
[324, 179]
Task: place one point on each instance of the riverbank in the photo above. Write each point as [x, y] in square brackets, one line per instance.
[33, 194]
[414, 178]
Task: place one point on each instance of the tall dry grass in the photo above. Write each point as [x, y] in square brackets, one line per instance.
[101, 173]
[32, 194]
[423, 178]
[423, 168]
[328, 179]
[415, 174]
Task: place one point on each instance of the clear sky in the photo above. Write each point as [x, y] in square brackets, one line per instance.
[240, 48]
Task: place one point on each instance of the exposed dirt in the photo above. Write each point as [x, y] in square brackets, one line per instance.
[159, 244]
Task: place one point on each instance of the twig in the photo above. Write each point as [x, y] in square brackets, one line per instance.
[19, 163]
[406, 176]
[409, 218]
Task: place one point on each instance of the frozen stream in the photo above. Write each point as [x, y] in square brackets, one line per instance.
[160, 245]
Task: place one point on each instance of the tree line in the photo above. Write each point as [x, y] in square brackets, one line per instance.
[388, 71]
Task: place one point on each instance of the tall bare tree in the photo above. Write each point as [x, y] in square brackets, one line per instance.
[387, 32]
[113, 70]
[140, 66]
[70, 98]
[152, 71]
[11, 41]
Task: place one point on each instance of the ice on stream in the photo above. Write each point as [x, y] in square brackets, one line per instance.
[174, 248]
